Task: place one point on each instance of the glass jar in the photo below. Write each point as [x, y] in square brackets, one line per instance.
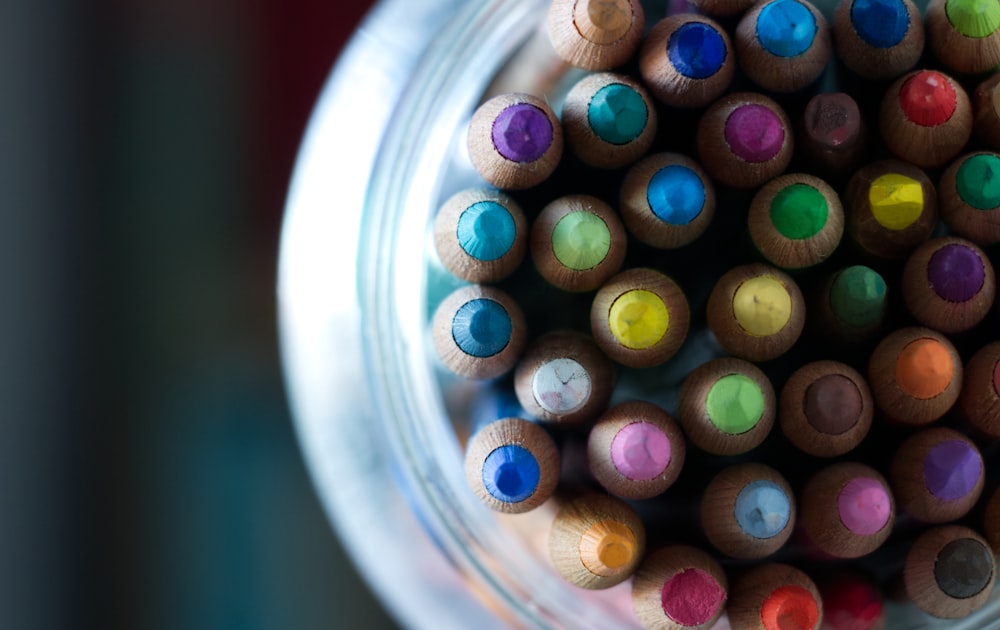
[384, 147]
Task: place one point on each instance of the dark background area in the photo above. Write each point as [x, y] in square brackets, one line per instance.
[149, 473]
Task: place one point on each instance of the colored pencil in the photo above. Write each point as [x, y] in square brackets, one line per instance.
[478, 332]
[846, 510]
[640, 317]
[481, 235]
[969, 197]
[687, 60]
[756, 312]
[515, 141]
[825, 408]
[915, 375]
[722, 8]
[564, 378]
[609, 120]
[577, 242]
[979, 400]
[925, 118]
[991, 521]
[679, 587]
[636, 450]
[832, 135]
[744, 139]
[783, 45]
[851, 601]
[986, 112]
[796, 221]
[494, 401]
[775, 596]
[596, 34]
[949, 571]
[727, 406]
[851, 305]
[964, 35]
[891, 208]
[596, 541]
[667, 200]
[748, 511]
[948, 284]
[878, 39]
[937, 475]
[512, 465]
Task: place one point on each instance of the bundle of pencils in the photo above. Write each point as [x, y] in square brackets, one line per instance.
[745, 323]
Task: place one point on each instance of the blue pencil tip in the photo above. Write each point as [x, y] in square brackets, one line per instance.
[486, 230]
[696, 50]
[481, 328]
[676, 195]
[511, 473]
[762, 509]
[880, 23]
[786, 28]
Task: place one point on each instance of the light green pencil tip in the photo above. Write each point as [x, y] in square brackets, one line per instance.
[974, 18]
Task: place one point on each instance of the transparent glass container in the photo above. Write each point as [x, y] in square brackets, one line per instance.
[373, 411]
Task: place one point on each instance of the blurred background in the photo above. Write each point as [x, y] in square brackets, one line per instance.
[149, 473]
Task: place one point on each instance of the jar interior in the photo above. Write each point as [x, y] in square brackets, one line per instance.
[486, 49]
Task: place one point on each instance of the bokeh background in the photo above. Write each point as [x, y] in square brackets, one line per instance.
[149, 473]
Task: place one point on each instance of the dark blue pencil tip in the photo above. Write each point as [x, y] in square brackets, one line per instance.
[880, 23]
[511, 473]
[696, 50]
[481, 328]
[786, 28]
